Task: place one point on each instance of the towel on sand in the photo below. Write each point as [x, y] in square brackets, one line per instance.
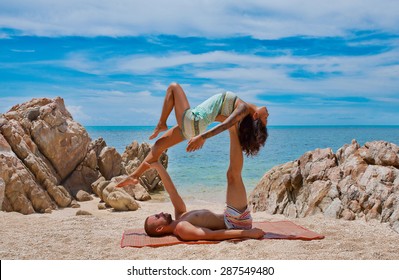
[273, 230]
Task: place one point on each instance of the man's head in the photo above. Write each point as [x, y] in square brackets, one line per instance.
[156, 225]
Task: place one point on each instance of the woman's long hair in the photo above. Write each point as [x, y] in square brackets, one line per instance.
[252, 135]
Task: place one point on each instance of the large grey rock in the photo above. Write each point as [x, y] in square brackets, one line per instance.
[47, 160]
[53, 131]
[355, 183]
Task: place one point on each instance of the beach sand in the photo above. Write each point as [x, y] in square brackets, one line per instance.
[62, 235]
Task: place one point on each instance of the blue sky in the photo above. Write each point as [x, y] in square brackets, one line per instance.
[311, 62]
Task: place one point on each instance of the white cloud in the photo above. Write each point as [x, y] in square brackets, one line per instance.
[149, 63]
[78, 113]
[371, 76]
[353, 75]
[258, 18]
[4, 36]
[80, 62]
[23, 51]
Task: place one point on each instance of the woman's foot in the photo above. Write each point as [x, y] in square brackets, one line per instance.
[160, 127]
[133, 179]
[129, 180]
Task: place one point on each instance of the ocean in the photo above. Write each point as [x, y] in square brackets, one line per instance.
[202, 175]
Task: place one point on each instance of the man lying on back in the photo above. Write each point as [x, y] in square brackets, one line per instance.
[235, 222]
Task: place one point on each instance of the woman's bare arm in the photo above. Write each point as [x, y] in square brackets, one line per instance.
[238, 114]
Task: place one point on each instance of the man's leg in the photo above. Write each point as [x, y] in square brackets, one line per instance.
[236, 194]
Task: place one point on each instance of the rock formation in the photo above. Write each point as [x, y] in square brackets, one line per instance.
[132, 157]
[47, 160]
[354, 183]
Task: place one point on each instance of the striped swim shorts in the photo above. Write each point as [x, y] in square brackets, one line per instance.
[234, 219]
[192, 125]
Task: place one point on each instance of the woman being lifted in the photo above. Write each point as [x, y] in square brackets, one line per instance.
[192, 124]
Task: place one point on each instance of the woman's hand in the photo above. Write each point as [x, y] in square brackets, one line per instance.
[195, 143]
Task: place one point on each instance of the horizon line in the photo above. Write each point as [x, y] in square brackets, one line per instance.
[272, 126]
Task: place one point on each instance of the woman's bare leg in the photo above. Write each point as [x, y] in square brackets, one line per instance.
[175, 98]
[172, 137]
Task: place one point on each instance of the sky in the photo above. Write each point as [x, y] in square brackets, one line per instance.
[310, 62]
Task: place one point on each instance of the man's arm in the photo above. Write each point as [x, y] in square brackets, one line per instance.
[187, 232]
[177, 201]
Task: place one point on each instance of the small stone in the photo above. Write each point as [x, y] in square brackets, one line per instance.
[348, 215]
[101, 206]
[75, 204]
[83, 213]
[83, 196]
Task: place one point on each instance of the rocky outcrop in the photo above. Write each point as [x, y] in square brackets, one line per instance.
[18, 187]
[47, 160]
[354, 183]
[134, 155]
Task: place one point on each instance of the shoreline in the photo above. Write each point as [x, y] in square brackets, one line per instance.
[62, 235]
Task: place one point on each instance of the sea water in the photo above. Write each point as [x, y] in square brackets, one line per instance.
[202, 174]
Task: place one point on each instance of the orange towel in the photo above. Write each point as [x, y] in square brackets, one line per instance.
[273, 230]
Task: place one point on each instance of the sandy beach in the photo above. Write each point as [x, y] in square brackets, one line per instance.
[62, 235]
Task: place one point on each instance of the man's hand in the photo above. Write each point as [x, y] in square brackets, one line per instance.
[195, 143]
[254, 233]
